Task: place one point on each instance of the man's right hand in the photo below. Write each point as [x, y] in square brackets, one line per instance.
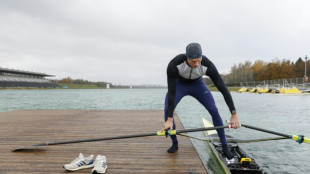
[168, 124]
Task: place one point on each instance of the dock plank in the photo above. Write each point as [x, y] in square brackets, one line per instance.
[134, 155]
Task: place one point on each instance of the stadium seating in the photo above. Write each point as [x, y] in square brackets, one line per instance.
[16, 78]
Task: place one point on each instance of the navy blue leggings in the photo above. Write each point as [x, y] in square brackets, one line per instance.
[200, 91]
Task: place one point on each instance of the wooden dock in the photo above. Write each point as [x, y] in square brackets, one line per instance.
[135, 155]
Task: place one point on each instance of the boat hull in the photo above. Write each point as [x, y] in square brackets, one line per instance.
[242, 163]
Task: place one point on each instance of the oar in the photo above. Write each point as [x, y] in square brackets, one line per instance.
[297, 138]
[234, 140]
[256, 140]
[159, 133]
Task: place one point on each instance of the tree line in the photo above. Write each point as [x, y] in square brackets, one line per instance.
[261, 70]
[69, 80]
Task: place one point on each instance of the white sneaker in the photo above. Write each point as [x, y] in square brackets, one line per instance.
[80, 163]
[100, 165]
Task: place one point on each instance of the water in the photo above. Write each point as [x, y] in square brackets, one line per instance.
[287, 114]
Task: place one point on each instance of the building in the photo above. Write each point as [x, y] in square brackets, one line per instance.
[18, 78]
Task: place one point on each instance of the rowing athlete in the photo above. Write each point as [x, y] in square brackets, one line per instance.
[184, 75]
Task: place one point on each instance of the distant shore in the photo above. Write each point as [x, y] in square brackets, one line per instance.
[79, 86]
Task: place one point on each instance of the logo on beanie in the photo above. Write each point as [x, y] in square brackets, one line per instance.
[195, 56]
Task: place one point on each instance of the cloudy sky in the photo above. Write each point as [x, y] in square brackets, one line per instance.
[132, 41]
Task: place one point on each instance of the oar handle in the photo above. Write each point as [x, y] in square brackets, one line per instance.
[306, 140]
[230, 125]
[300, 139]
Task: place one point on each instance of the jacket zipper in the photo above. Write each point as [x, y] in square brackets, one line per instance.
[190, 73]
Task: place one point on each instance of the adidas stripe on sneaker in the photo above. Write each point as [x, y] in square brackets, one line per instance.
[80, 163]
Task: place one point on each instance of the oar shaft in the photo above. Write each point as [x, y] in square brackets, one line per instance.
[202, 129]
[98, 139]
[267, 131]
[297, 138]
[129, 136]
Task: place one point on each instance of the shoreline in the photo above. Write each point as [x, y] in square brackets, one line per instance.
[231, 89]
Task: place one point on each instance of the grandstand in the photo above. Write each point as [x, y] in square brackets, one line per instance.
[18, 78]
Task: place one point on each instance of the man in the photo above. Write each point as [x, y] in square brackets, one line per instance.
[184, 75]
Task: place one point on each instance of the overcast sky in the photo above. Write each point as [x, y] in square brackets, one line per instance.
[131, 42]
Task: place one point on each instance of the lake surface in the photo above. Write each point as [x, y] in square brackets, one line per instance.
[289, 114]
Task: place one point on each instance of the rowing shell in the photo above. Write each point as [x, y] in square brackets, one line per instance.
[241, 163]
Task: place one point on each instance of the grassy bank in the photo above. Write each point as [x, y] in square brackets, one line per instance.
[83, 86]
[78, 86]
